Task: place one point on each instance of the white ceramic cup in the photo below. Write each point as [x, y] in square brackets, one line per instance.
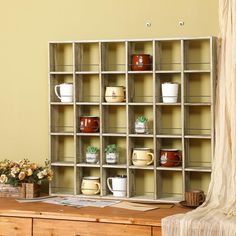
[118, 185]
[65, 92]
[169, 92]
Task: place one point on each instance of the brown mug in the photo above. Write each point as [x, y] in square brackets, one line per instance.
[194, 198]
[141, 62]
[89, 124]
[170, 157]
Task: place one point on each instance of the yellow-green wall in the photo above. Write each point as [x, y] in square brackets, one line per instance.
[26, 27]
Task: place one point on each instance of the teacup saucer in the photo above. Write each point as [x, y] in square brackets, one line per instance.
[184, 204]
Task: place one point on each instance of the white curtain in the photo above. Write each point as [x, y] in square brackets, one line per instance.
[217, 216]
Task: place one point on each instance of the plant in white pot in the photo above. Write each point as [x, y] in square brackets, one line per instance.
[141, 125]
[112, 154]
[92, 155]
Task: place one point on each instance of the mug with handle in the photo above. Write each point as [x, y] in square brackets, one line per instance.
[118, 187]
[142, 156]
[66, 92]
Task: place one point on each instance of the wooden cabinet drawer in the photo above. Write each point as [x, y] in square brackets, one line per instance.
[156, 231]
[10, 226]
[73, 228]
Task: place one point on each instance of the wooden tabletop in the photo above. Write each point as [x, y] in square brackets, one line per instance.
[10, 207]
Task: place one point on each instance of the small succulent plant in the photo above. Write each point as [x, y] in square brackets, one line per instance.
[142, 119]
[111, 148]
[92, 149]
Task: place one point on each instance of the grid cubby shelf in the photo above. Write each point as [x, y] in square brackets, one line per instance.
[186, 125]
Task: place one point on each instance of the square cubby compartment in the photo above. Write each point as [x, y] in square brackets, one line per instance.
[62, 182]
[162, 80]
[56, 83]
[168, 55]
[87, 57]
[140, 88]
[197, 54]
[168, 120]
[62, 118]
[140, 53]
[88, 119]
[197, 181]
[142, 184]
[198, 153]
[114, 119]
[114, 182]
[88, 181]
[169, 152]
[197, 88]
[198, 120]
[169, 185]
[87, 88]
[113, 56]
[62, 149]
[141, 119]
[114, 151]
[140, 148]
[61, 57]
[88, 150]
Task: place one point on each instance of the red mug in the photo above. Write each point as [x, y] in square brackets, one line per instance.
[170, 157]
[89, 124]
[141, 62]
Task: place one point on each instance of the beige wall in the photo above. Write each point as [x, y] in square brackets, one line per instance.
[27, 26]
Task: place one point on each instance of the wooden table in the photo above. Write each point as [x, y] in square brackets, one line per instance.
[42, 219]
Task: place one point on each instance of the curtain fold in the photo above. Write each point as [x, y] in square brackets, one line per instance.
[217, 215]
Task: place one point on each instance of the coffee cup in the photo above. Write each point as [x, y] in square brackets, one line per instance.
[194, 198]
[90, 185]
[65, 92]
[115, 94]
[169, 92]
[89, 124]
[170, 157]
[141, 62]
[118, 185]
[142, 157]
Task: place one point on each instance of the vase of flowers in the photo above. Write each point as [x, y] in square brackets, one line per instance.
[19, 173]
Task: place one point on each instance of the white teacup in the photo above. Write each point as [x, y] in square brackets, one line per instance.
[118, 187]
[90, 185]
[169, 92]
[66, 92]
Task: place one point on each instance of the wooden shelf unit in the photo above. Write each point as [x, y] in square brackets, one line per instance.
[187, 125]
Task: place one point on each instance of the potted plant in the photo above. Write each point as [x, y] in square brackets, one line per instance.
[112, 154]
[92, 155]
[141, 125]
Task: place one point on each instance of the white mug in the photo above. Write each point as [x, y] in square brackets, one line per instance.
[66, 92]
[169, 92]
[118, 187]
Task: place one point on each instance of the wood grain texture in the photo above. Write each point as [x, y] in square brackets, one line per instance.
[156, 231]
[68, 228]
[10, 226]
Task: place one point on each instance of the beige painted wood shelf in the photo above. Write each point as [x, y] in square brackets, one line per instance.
[187, 125]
